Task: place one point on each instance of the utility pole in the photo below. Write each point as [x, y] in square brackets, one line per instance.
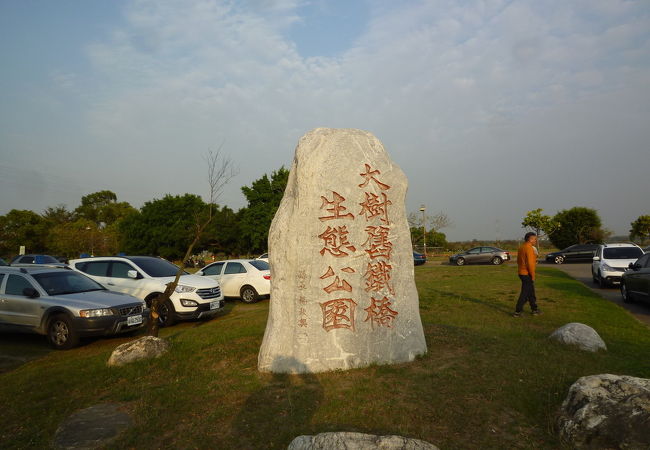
[424, 230]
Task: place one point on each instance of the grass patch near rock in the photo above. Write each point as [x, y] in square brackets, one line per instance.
[487, 381]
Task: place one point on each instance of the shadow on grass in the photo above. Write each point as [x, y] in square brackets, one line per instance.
[18, 348]
[455, 296]
[283, 409]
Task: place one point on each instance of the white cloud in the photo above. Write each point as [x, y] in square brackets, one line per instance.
[445, 85]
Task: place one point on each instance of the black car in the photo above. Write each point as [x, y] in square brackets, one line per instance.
[635, 283]
[419, 258]
[574, 253]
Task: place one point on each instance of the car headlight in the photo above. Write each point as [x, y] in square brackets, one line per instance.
[182, 289]
[96, 312]
[608, 268]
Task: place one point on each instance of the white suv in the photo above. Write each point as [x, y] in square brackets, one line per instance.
[145, 277]
[611, 260]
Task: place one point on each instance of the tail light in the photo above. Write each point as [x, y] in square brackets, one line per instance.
[267, 277]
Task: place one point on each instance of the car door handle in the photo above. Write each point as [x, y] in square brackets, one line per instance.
[110, 284]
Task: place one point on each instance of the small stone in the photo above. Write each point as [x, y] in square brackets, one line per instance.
[93, 427]
[580, 335]
[357, 441]
[607, 411]
[144, 348]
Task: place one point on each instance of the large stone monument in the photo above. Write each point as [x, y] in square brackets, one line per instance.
[342, 287]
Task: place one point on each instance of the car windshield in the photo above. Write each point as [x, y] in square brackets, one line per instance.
[156, 267]
[622, 253]
[66, 282]
[259, 264]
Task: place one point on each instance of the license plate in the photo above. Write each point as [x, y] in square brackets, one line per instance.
[214, 305]
[134, 320]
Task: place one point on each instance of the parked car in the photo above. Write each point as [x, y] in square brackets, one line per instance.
[28, 260]
[263, 257]
[611, 260]
[3, 262]
[419, 259]
[64, 305]
[145, 277]
[479, 255]
[635, 282]
[574, 253]
[247, 279]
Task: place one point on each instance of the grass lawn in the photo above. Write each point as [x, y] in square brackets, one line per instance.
[487, 381]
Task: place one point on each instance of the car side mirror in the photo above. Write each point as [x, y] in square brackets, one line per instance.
[133, 274]
[31, 292]
[199, 273]
[596, 258]
[634, 266]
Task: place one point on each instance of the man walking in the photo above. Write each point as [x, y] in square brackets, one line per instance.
[526, 262]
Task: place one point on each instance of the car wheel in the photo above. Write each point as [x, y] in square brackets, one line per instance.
[460, 262]
[60, 332]
[601, 281]
[166, 314]
[248, 294]
[593, 276]
[496, 260]
[625, 294]
[558, 259]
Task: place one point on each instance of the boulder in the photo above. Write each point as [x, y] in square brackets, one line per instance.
[607, 411]
[144, 348]
[343, 293]
[580, 335]
[357, 441]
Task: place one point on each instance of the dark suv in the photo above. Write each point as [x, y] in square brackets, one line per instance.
[574, 253]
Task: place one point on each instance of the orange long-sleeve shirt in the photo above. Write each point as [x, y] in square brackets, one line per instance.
[526, 260]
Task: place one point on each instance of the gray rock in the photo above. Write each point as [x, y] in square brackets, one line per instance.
[144, 348]
[581, 335]
[607, 411]
[92, 427]
[343, 293]
[357, 441]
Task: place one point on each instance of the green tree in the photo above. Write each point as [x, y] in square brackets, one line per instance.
[541, 224]
[71, 239]
[103, 208]
[22, 227]
[264, 197]
[223, 234]
[578, 225]
[640, 229]
[434, 238]
[163, 227]
[58, 215]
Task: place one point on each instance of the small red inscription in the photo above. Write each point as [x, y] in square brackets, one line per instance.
[378, 243]
[370, 175]
[335, 207]
[379, 313]
[336, 241]
[375, 206]
[338, 313]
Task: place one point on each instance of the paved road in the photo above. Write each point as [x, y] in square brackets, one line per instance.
[582, 272]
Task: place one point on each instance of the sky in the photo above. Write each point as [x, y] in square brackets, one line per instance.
[492, 108]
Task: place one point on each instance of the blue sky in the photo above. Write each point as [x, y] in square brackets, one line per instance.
[492, 108]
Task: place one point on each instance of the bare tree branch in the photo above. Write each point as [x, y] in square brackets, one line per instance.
[220, 171]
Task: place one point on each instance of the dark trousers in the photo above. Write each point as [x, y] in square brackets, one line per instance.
[527, 293]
